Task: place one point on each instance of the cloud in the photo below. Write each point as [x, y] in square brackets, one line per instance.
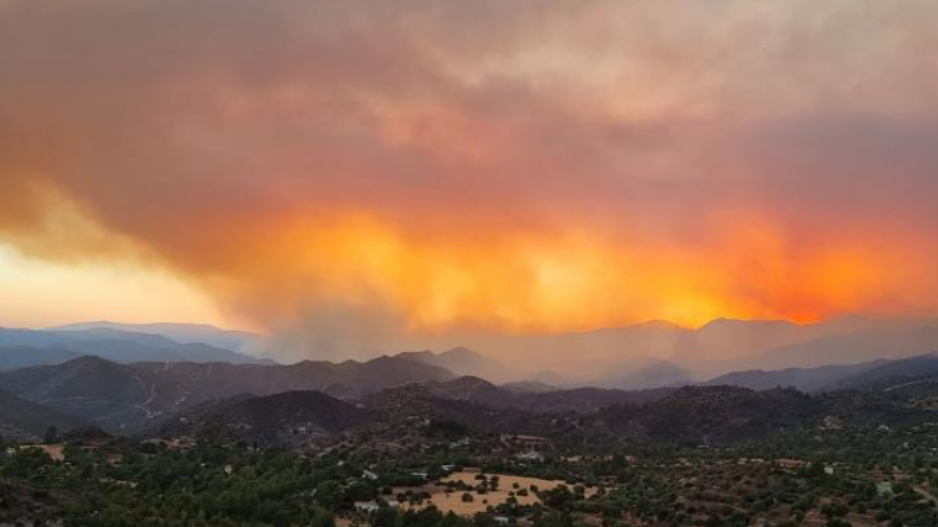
[488, 165]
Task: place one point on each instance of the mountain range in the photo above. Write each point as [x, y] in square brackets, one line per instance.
[239, 341]
[271, 403]
[124, 398]
[833, 377]
[127, 398]
[27, 347]
[128, 381]
[804, 379]
[694, 415]
[632, 357]
[465, 362]
[14, 357]
[721, 346]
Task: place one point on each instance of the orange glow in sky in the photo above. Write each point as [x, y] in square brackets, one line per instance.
[458, 167]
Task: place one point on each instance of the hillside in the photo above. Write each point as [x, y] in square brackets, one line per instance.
[23, 420]
[283, 418]
[117, 397]
[714, 415]
[588, 400]
[804, 379]
[466, 362]
[579, 400]
[349, 379]
[127, 398]
[14, 357]
[889, 373]
[717, 415]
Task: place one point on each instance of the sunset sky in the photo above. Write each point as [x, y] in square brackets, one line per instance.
[415, 168]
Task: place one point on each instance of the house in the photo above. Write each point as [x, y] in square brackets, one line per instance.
[884, 488]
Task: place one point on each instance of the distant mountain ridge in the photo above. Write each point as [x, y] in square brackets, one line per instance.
[721, 346]
[234, 340]
[804, 379]
[848, 348]
[864, 375]
[119, 346]
[890, 372]
[611, 357]
[14, 357]
[165, 378]
[126, 398]
[654, 374]
[466, 362]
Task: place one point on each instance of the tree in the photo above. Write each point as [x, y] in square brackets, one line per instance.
[360, 491]
[329, 494]
[384, 517]
[52, 435]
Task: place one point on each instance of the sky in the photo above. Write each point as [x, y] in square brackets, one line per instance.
[377, 171]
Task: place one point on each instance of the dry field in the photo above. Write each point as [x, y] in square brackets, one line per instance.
[448, 501]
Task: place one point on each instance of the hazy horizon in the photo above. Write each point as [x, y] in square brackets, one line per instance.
[651, 350]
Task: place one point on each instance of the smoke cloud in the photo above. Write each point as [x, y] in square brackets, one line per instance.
[350, 175]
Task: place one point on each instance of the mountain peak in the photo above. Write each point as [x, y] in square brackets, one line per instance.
[89, 361]
[462, 352]
[721, 322]
[466, 362]
[421, 356]
[183, 333]
[658, 324]
[731, 323]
